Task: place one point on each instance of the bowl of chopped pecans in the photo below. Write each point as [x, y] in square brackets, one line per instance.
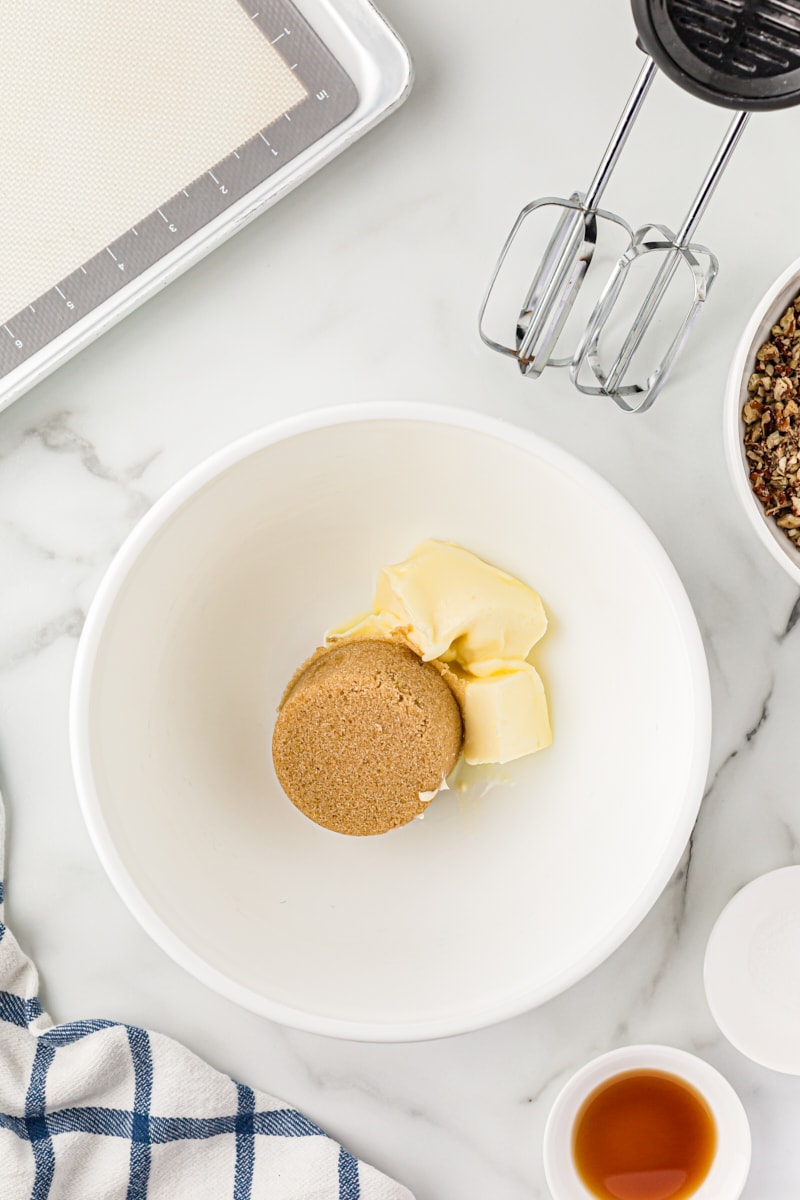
[762, 420]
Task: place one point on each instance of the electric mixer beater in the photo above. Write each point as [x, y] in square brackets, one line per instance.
[740, 54]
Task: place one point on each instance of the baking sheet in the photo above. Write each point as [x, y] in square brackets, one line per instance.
[119, 104]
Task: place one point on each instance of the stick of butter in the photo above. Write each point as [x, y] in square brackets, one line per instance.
[480, 624]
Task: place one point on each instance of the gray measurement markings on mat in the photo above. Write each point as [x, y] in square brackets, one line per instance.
[331, 97]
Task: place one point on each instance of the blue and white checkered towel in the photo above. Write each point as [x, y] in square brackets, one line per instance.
[94, 1110]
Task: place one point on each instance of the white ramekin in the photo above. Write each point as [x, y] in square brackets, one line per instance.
[728, 1172]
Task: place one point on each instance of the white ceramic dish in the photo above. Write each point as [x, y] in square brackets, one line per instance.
[728, 1172]
[752, 970]
[772, 305]
[488, 906]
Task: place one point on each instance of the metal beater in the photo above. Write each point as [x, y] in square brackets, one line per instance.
[741, 54]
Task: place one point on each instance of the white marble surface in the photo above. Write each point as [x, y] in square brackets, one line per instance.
[383, 257]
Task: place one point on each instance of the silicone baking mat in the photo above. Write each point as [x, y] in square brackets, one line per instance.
[127, 127]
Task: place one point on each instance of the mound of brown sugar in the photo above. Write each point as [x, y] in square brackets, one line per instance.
[363, 729]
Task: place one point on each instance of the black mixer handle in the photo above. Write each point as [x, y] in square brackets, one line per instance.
[742, 54]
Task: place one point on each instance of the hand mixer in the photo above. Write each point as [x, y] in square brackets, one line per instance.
[740, 54]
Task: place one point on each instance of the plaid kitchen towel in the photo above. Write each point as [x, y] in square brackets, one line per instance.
[95, 1110]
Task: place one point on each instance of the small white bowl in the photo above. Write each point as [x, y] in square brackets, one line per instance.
[770, 308]
[729, 1169]
[752, 972]
[490, 905]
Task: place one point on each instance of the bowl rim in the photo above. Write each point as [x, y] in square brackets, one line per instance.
[764, 315]
[113, 581]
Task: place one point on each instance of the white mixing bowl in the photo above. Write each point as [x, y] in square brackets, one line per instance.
[491, 904]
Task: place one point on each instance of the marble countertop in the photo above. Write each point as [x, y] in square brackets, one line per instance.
[364, 285]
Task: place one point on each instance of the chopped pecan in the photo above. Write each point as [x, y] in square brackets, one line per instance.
[771, 415]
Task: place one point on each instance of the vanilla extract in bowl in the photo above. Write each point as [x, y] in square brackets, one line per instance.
[644, 1135]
